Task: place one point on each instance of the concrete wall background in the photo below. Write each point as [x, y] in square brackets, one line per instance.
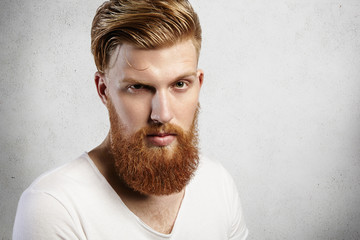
[280, 105]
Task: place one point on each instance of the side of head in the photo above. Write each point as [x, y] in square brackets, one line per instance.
[146, 24]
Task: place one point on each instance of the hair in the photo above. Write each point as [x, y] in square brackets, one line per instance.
[147, 24]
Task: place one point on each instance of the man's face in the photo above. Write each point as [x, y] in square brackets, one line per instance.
[161, 85]
[152, 98]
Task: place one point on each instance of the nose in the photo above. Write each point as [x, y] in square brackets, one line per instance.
[161, 108]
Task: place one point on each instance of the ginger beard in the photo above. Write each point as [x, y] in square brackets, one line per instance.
[153, 170]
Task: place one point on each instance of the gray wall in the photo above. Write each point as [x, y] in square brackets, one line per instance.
[280, 105]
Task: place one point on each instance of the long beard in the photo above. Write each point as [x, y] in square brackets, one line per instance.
[152, 170]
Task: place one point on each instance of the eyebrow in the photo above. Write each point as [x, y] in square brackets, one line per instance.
[133, 80]
[138, 81]
[185, 75]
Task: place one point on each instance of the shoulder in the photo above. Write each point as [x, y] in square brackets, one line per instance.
[45, 208]
[69, 174]
[213, 193]
[75, 180]
[225, 191]
[59, 180]
[213, 181]
[42, 210]
[211, 170]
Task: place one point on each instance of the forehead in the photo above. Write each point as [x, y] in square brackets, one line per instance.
[130, 61]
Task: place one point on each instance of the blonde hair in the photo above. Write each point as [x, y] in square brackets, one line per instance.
[147, 24]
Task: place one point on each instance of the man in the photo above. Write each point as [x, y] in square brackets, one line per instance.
[146, 180]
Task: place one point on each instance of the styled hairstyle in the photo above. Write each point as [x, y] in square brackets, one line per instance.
[147, 24]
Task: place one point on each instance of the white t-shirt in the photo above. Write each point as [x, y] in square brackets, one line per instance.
[76, 202]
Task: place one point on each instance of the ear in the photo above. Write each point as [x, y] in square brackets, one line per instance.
[200, 76]
[101, 87]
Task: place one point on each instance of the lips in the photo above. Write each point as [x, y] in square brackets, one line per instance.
[161, 139]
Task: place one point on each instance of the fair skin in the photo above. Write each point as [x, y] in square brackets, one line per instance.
[146, 86]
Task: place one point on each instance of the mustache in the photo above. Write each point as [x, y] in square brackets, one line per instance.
[156, 129]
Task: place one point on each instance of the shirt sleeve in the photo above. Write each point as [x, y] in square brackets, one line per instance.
[41, 216]
[238, 229]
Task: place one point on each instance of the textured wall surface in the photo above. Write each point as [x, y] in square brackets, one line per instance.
[280, 105]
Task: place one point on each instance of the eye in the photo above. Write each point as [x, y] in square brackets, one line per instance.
[136, 86]
[181, 84]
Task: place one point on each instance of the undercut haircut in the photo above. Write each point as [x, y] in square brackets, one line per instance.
[146, 24]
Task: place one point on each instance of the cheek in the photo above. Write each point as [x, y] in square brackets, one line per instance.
[133, 114]
[186, 112]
